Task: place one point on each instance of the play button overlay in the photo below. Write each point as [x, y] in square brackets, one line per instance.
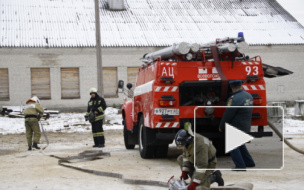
[262, 142]
[235, 138]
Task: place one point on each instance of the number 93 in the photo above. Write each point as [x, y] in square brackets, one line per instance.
[252, 70]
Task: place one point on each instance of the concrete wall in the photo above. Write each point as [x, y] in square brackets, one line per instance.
[291, 57]
[19, 61]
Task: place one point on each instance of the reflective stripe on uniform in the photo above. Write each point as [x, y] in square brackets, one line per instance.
[197, 181]
[200, 171]
[186, 169]
[99, 117]
[206, 141]
[99, 134]
[100, 109]
[29, 106]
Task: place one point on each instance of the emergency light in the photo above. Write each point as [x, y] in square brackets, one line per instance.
[241, 36]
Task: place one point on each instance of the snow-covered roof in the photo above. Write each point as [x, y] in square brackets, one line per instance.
[71, 23]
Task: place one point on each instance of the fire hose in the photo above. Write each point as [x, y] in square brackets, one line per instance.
[176, 184]
[272, 126]
[45, 136]
[93, 155]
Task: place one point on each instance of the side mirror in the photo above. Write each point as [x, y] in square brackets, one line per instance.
[129, 86]
[120, 86]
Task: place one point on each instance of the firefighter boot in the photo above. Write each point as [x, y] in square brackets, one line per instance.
[95, 142]
[36, 146]
[30, 148]
[101, 142]
[216, 176]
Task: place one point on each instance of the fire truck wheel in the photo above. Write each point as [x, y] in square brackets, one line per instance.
[161, 151]
[145, 150]
[219, 144]
[126, 138]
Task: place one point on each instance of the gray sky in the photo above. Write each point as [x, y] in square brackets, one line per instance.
[295, 8]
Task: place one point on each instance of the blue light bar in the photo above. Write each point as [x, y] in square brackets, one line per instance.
[241, 35]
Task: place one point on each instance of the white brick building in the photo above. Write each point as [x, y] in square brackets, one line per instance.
[47, 48]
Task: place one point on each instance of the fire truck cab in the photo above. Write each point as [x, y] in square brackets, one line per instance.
[189, 83]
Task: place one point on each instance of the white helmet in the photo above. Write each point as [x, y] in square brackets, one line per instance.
[34, 99]
[93, 90]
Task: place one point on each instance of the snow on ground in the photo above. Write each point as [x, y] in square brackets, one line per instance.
[292, 126]
[74, 122]
[62, 122]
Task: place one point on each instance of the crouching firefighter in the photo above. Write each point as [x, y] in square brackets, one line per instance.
[205, 159]
[95, 115]
[32, 113]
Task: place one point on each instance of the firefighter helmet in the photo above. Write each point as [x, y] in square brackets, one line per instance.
[33, 99]
[182, 138]
[93, 90]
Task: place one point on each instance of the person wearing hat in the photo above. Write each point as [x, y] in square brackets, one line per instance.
[32, 113]
[205, 156]
[239, 118]
[95, 115]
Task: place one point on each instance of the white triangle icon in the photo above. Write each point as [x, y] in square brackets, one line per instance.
[234, 138]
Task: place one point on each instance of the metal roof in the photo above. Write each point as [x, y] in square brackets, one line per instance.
[71, 23]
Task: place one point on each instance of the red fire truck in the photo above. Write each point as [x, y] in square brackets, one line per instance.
[189, 83]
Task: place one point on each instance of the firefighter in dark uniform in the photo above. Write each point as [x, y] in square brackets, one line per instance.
[239, 118]
[32, 113]
[95, 114]
[205, 158]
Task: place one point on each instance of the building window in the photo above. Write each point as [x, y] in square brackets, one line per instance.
[40, 79]
[110, 82]
[4, 86]
[132, 74]
[70, 83]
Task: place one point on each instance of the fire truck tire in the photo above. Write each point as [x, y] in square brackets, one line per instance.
[126, 138]
[219, 144]
[161, 151]
[145, 150]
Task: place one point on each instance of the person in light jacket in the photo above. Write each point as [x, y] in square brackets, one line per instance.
[205, 155]
[32, 113]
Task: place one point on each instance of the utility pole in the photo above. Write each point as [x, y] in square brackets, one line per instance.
[98, 50]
